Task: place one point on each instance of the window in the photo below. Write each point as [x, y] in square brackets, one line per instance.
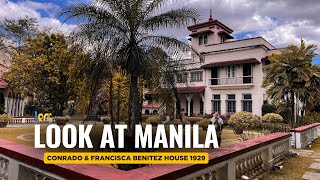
[247, 103]
[200, 40]
[196, 76]
[222, 39]
[231, 71]
[203, 40]
[216, 103]
[231, 104]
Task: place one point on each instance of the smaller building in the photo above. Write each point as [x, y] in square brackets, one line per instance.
[10, 103]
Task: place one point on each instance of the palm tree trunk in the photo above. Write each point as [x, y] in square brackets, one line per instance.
[292, 110]
[135, 103]
[129, 114]
[178, 106]
[118, 101]
[111, 103]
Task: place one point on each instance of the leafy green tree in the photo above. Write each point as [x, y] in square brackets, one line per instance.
[43, 68]
[129, 24]
[18, 30]
[290, 74]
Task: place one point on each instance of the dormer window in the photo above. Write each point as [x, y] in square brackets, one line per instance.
[222, 39]
[200, 40]
[203, 39]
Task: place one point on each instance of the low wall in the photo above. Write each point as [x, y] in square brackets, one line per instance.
[249, 158]
[305, 135]
[27, 120]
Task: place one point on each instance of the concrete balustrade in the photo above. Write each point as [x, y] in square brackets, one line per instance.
[305, 135]
[27, 120]
[248, 158]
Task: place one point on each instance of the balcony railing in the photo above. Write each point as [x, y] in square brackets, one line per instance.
[231, 80]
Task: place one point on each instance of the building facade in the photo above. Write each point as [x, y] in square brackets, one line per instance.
[10, 103]
[227, 75]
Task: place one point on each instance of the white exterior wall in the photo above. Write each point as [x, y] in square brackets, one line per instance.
[253, 51]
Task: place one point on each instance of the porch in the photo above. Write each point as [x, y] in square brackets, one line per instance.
[192, 100]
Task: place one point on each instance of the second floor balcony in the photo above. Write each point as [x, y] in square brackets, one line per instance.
[243, 82]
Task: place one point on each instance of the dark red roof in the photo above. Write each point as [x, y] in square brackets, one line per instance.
[3, 84]
[151, 92]
[191, 90]
[201, 32]
[152, 105]
[210, 23]
[225, 34]
[224, 63]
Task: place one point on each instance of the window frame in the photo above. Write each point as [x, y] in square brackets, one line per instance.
[247, 103]
[233, 102]
[196, 76]
[216, 103]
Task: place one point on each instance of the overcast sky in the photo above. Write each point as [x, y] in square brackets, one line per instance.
[281, 22]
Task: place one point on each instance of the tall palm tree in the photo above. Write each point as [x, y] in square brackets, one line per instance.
[131, 23]
[289, 74]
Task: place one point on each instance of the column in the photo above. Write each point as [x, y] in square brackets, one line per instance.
[18, 107]
[189, 98]
[21, 111]
[6, 105]
[10, 107]
[23, 106]
[204, 104]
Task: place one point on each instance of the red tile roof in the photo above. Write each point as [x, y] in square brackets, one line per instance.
[151, 92]
[225, 34]
[3, 84]
[152, 105]
[201, 32]
[208, 24]
[191, 90]
[224, 63]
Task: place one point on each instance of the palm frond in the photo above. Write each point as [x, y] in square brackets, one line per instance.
[93, 14]
[176, 18]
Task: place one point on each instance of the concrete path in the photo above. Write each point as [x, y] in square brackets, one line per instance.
[314, 173]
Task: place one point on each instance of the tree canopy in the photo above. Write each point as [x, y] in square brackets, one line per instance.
[129, 26]
[291, 76]
[43, 69]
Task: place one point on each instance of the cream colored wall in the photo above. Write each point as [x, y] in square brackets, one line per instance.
[234, 50]
[213, 38]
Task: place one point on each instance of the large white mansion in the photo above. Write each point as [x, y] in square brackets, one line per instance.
[228, 76]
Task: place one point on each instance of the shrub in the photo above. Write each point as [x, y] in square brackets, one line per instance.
[204, 123]
[314, 115]
[269, 128]
[193, 120]
[6, 118]
[244, 118]
[244, 121]
[106, 120]
[62, 120]
[309, 118]
[145, 117]
[268, 108]
[272, 118]
[154, 120]
[178, 121]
